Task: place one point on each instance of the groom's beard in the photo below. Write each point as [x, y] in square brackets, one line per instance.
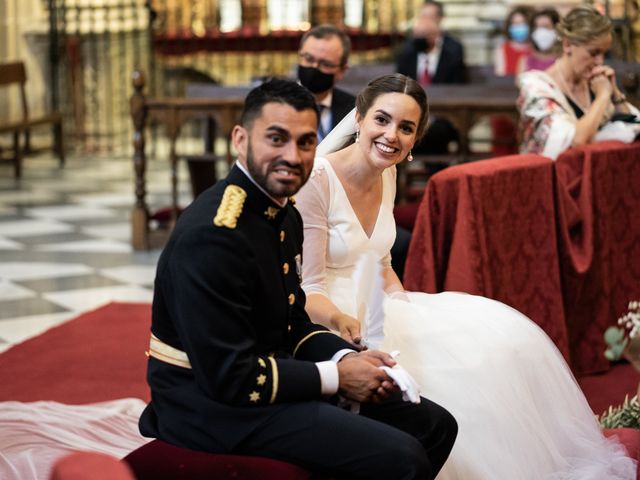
[264, 175]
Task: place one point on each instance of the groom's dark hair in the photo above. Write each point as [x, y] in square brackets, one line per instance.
[276, 90]
[395, 83]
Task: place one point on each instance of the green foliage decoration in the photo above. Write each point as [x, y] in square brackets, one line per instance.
[626, 415]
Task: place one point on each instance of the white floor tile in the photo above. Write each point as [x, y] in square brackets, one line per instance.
[70, 212]
[112, 231]
[11, 291]
[62, 185]
[27, 197]
[136, 274]
[97, 246]
[107, 199]
[26, 228]
[6, 244]
[90, 298]
[19, 329]
[17, 271]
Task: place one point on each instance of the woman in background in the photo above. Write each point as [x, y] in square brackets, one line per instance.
[508, 59]
[520, 413]
[566, 104]
[543, 40]
[516, 46]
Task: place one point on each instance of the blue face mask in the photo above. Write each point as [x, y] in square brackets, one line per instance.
[519, 32]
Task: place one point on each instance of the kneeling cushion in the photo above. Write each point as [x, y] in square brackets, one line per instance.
[158, 460]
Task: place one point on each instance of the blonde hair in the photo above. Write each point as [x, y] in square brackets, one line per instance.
[583, 24]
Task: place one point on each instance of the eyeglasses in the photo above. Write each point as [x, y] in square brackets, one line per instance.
[309, 60]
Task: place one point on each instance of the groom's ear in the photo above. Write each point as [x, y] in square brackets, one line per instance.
[240, 140]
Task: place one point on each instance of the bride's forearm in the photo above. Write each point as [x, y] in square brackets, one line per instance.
[322, 311]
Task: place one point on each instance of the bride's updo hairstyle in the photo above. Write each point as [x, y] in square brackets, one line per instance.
[394, 83]
[583, 24]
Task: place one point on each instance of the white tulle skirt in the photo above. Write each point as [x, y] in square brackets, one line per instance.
[33, 436]
[520, 412]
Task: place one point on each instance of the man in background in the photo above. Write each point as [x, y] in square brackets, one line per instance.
[323, 60]
[432, 57]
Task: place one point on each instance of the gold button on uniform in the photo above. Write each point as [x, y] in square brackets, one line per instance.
[292, 298]
[282, 235]
[285, 268]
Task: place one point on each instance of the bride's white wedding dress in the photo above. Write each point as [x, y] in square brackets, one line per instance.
[520, 411]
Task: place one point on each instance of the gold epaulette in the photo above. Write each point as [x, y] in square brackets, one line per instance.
[230, 207]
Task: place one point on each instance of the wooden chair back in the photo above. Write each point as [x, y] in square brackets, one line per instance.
[15, 73]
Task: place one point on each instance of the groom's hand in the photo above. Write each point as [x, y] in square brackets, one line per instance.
[361, 378]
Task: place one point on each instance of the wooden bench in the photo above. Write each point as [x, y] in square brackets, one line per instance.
[12, 74]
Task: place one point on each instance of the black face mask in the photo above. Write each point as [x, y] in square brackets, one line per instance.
[421, 44]
[314, 80]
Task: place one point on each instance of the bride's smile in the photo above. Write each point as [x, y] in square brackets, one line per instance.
[388, 129]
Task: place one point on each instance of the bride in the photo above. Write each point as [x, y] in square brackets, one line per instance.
[520, 411]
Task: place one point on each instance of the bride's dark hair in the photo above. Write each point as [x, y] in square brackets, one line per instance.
[395, 83]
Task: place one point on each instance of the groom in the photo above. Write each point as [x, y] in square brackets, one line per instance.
[235, 364]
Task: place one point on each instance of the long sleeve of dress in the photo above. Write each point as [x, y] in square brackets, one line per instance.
[313, 204]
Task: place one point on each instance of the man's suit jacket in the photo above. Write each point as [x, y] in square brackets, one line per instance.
[227, 293]
[341, 103]
[451, 67]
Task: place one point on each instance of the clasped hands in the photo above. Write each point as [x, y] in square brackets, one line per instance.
[602, 81]
[361, 379]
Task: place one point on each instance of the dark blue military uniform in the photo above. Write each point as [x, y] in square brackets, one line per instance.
[231, 365]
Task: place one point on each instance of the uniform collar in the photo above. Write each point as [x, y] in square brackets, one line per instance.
[257, 199]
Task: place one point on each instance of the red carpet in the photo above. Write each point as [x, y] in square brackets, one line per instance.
[100, 356]
[96, 357]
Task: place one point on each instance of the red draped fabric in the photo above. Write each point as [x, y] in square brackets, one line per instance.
[598, 220]
[488, 228]
[559, 241]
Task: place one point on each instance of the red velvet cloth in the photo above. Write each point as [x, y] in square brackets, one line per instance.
[90, 466]
[158, 460]
[488, 228]
[598, 209]
[558, 241]
[405, 215]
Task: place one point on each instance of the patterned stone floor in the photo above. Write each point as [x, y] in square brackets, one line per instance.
[65, 240]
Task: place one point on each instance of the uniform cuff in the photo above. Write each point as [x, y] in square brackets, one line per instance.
[329, 380]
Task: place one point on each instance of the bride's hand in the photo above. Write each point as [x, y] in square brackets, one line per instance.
[349, 329]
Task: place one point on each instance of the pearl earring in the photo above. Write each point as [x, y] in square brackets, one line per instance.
[410, 157]
[357, 136]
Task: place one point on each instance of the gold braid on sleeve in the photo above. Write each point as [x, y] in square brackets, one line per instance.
[230, 207]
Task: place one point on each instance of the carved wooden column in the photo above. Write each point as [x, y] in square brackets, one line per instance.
[327, 11]
[140, 212]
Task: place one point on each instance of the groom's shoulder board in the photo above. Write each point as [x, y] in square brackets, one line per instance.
[230, 207]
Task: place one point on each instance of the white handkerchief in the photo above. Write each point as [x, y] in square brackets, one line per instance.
[408, 386]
